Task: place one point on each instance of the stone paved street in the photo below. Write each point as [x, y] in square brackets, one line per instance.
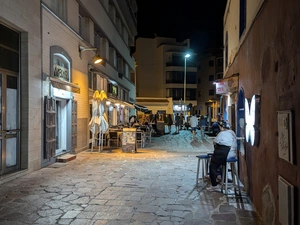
[154, 186]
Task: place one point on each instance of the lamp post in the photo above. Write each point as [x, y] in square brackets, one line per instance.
[184, 84]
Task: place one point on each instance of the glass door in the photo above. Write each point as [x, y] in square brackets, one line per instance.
[9, 122]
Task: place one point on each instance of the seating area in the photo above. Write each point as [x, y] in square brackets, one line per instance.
[228, 187]
[113, 137]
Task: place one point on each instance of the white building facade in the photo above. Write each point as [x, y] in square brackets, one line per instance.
[50, 76]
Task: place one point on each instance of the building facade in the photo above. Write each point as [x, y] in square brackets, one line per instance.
[261, 54]
[210, 69]
[161, 70]
[49, 76]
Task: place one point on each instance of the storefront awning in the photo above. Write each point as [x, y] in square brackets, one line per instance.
[64, 85]
[141, 108]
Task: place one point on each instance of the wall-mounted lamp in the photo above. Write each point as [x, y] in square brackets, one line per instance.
[96, 59]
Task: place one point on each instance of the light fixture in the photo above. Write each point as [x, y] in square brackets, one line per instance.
[96, 59]
[184, 84]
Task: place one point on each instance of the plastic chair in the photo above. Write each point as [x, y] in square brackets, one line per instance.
[113, 137]
[140, 138]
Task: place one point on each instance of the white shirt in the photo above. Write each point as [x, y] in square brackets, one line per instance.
[227, 138]
[193, 121]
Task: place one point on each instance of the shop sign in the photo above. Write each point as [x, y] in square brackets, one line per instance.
[61, 72]
[61, 67]
[227, 85]
[113, 89]
[252, 118]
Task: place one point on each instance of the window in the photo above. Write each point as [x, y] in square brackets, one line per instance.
[199, 80]
[219, 75]
[211, 63]
[59, 8]
[226, 49]
[242, 16]
[211, 78]
[211, 92]
[175, 77]
[220, 62]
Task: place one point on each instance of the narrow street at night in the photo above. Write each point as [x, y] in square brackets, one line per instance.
[155, 185]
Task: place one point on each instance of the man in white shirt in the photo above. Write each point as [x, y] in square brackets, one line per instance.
[225, 146]
[193, 124]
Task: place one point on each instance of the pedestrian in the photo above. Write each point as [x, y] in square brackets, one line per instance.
[225, 146]
[132, 120]
[181, 121]
[177, 118]
[193, 123]
[203, 124]
[169, 122]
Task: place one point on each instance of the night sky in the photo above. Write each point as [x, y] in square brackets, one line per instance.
[201, 21]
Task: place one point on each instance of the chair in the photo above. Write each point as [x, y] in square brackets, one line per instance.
[101, 139]
[148, 134]
[230, 166]
[113, 137]
[203, 161]
[140, 138]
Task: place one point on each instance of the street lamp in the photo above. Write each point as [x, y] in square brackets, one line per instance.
[184, 84]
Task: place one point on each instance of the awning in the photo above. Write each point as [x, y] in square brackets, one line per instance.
[64, 85]
[140, 108]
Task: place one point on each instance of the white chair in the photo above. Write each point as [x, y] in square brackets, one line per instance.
[140, 138]
[148, 134]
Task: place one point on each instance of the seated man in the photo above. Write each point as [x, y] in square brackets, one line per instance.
[216, 128]
[225, 146]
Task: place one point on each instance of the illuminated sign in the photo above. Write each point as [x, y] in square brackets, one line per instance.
[227, 85]
[252, 117]
[61, 67]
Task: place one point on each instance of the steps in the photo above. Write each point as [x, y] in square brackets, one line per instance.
[65, 158]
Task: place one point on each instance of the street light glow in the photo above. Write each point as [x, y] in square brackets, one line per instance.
[184, 85]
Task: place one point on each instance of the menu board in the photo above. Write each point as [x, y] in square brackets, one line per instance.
[129, 140]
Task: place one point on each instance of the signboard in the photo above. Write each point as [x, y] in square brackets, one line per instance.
[227, 85]
[129, 140]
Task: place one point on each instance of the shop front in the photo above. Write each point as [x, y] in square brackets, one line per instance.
[60, 110]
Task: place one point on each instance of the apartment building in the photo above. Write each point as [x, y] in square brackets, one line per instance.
[165, 80]
[210, 69]
[261, 49]
[48, 49]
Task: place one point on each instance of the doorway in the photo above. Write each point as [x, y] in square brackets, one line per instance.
[9, 122]
[61, 128]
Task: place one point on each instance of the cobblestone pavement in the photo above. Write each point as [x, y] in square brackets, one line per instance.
[155, 186]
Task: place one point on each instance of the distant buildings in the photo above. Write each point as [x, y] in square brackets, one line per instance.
[160, 74]
[209, 70]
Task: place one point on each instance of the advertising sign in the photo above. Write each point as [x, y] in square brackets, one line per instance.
[227, 85]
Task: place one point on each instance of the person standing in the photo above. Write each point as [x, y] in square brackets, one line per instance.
[225, 146]
[181, 121]
[193, 123]
[203, 124]
[169, 122]
[177, 118]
